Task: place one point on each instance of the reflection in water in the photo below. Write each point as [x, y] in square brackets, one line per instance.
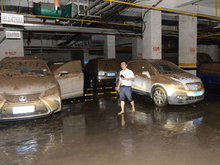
[177, 121]
[89, 128]
[24, 141]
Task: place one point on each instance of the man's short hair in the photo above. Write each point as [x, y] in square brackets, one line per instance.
[124, 62]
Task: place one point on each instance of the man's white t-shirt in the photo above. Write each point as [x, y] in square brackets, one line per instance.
[127, 73]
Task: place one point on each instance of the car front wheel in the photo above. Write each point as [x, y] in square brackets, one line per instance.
[160, 97]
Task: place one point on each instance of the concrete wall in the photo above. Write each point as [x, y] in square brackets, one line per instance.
[212, 50]
[11, 47]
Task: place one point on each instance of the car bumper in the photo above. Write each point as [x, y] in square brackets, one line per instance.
[106, 81]
[185, 98]
[40, 110]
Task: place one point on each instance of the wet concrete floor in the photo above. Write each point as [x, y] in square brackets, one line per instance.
[91, 133]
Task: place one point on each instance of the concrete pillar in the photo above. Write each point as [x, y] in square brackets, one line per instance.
[11, 47]
[188, 43]
[109, 47]
[137, 48]
[152, 35]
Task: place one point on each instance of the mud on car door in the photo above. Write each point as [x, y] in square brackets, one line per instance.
[71, 79]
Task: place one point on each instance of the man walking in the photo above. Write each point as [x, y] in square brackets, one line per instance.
[125, 82]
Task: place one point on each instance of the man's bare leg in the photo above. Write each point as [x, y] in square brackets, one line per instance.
[122, 108]
[132, 105]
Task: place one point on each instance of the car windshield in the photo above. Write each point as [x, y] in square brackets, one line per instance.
[23, 68]
[166, 67]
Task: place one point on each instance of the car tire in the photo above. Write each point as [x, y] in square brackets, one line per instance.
[160, 97]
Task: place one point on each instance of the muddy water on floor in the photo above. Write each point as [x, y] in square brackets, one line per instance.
[92, 133]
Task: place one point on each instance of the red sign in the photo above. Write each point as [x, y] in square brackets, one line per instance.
[11, 53]
[192, 49]
[156, 48]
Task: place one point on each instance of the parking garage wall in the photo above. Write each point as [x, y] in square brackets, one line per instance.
[11, 47]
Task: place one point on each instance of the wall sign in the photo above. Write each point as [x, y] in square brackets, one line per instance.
[12, 19]
[13, 34]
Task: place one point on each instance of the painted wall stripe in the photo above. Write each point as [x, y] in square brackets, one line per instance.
[187, 64]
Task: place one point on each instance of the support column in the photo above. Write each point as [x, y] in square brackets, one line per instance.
[188, 43]
[137, 48]
[152, 35]
[109, 47]
[12, 47]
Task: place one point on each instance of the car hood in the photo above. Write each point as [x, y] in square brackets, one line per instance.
[25, 85]
[184, 78]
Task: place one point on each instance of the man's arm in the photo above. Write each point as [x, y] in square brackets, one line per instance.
[118, 86]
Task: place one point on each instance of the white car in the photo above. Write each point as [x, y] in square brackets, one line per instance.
[165, 82]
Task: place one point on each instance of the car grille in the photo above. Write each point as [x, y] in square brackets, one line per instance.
[194, 86]
[22, 98]
[191, 98]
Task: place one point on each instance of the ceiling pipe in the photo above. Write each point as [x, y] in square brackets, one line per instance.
[90, 7]
[97, 9]
[163, 9]
[2, 9]
[106, 8]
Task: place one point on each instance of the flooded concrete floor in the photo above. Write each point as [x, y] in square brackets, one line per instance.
[91, 133]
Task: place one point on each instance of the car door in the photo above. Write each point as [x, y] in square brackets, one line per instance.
[71, 79]
[142, 81]
[134, 66]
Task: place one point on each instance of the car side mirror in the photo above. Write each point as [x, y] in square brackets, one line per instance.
[146, 73]
[62, 73]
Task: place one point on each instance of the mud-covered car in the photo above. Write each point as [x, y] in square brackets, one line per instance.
[165, 82]
[70, 78]
[27, 89]
[102, 72]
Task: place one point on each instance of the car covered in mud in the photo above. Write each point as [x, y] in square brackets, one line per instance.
[27, 89]
[165, 82]
[70, 78]
[102, 72]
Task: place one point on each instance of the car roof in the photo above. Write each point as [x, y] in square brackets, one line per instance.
[149, 60]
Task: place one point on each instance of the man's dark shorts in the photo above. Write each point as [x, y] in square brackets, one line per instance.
[126, 92]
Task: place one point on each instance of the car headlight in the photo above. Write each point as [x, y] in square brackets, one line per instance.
[172, 88]
[51, 98]
[101, 73]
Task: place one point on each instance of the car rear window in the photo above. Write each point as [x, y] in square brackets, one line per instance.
[108, 65]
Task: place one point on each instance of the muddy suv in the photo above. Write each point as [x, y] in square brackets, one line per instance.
[100, 72]
[27, 89]
[165, 82]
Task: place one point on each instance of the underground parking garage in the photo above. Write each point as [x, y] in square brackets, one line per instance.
[119, 82]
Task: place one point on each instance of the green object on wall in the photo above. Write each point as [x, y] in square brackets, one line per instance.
[48, 9]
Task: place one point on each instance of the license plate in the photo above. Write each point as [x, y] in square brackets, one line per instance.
[199, 93]
[23, 109]
[110, 74]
